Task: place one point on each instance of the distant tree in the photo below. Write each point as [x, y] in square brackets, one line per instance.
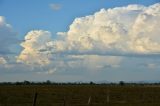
[122, 83]
[48, 82]
[18, 83]
[91, 83]
[26, 82]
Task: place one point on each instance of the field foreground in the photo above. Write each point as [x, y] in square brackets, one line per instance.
[79, 95]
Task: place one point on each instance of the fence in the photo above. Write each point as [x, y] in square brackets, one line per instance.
[64, 102]
[107, 99]
[98, 98]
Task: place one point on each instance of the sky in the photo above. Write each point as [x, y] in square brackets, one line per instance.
[79, 40]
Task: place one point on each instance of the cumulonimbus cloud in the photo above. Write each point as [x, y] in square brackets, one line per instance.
[123, 30]
[133, 29]
[34, 43]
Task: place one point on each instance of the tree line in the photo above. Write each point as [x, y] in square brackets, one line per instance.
[48, 82]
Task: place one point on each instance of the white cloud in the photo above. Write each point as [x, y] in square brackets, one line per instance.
[133, 29]
[92, 62]
[96, 62]
[8, 40]
[35, 48]
[2, 61]
[5, 63]
[49, 72]
[8, 37]
[55, 6]
[151, 66]
[91, 41]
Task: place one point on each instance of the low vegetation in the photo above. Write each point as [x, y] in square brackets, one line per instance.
[79, 95]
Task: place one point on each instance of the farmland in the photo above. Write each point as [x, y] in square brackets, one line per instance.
[79, 95]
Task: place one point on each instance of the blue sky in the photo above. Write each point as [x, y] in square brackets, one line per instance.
[91, 44]
[26, 15]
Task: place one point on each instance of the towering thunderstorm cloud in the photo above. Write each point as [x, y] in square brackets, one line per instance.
[35, 41]
[129, 30]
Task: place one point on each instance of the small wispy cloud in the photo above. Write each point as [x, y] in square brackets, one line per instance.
[152, 66]
[49, 72]
[55, 6]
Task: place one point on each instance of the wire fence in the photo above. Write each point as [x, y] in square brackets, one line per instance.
[107, 98]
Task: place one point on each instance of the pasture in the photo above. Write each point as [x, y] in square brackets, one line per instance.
[79, 95]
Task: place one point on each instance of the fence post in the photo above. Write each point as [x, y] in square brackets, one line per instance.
[64, 101]
[35, 99]
[89, 100]
[108, 96]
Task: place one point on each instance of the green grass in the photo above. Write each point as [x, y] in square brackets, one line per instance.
[78, 95]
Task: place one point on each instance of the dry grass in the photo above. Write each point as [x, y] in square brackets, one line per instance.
[78, 95]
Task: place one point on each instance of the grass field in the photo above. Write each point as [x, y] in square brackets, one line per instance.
[79, 95]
